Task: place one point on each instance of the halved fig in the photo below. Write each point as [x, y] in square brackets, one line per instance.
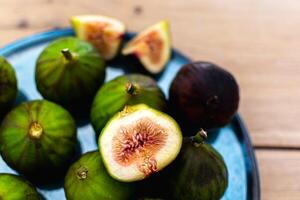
[152, 47]
[139, 141]
[105, 33]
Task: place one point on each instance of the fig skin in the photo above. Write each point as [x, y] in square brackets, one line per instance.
[13, 187]
[88, 179]
[38, 139]
[8, 86]
[113, 96]
[203, 95]
[199, 172]
[69, 72]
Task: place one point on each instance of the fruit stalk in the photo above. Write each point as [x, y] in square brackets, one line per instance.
[131, 88]
[200, 137]
[67, 54]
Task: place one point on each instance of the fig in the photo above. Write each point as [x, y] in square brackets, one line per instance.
[199, 171]
[8, 86]
[88, 179]
[139, 141]
[105, 33]
[204, 95]
[124, 90]
[69, 72]
[13, 187]
[152, 47]
[38, 139]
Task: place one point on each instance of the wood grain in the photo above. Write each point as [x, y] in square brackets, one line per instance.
[280, 174]
[256, 40]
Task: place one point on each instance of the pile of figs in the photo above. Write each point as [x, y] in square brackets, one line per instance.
[149, 147]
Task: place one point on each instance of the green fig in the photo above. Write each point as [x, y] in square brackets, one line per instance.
[199, 171]
[69, 72]
[104, 33]
[38, 139]
[8, 86]
[13, 187]
[88, 179]
[124, 90]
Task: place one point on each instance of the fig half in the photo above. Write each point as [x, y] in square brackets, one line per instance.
[105, 33]
[139, 141]
[152, 47]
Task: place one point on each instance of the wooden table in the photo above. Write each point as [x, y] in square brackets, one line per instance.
[257, 40]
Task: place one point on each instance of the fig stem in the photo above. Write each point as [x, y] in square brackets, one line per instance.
[67, 54]
[200, 137]
[131, 88]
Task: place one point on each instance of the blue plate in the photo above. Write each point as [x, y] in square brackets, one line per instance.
[232, 141]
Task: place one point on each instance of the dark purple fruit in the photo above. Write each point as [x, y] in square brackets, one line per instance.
[204, 95]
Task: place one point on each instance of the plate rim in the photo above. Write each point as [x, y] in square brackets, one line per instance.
[252, 172]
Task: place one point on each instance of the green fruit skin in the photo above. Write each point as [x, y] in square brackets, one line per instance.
[113, 97]
[13, 187]
[8, 86]
[69, 83]
[98, 184]
[38, 156]
[199, 173]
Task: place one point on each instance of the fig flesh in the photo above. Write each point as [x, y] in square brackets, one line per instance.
[138, 142]
[204, 95]
[152, 47]
[104, 33]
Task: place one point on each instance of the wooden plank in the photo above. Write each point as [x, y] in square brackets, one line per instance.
[280, 174]
[256, 40]
[7, 36]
